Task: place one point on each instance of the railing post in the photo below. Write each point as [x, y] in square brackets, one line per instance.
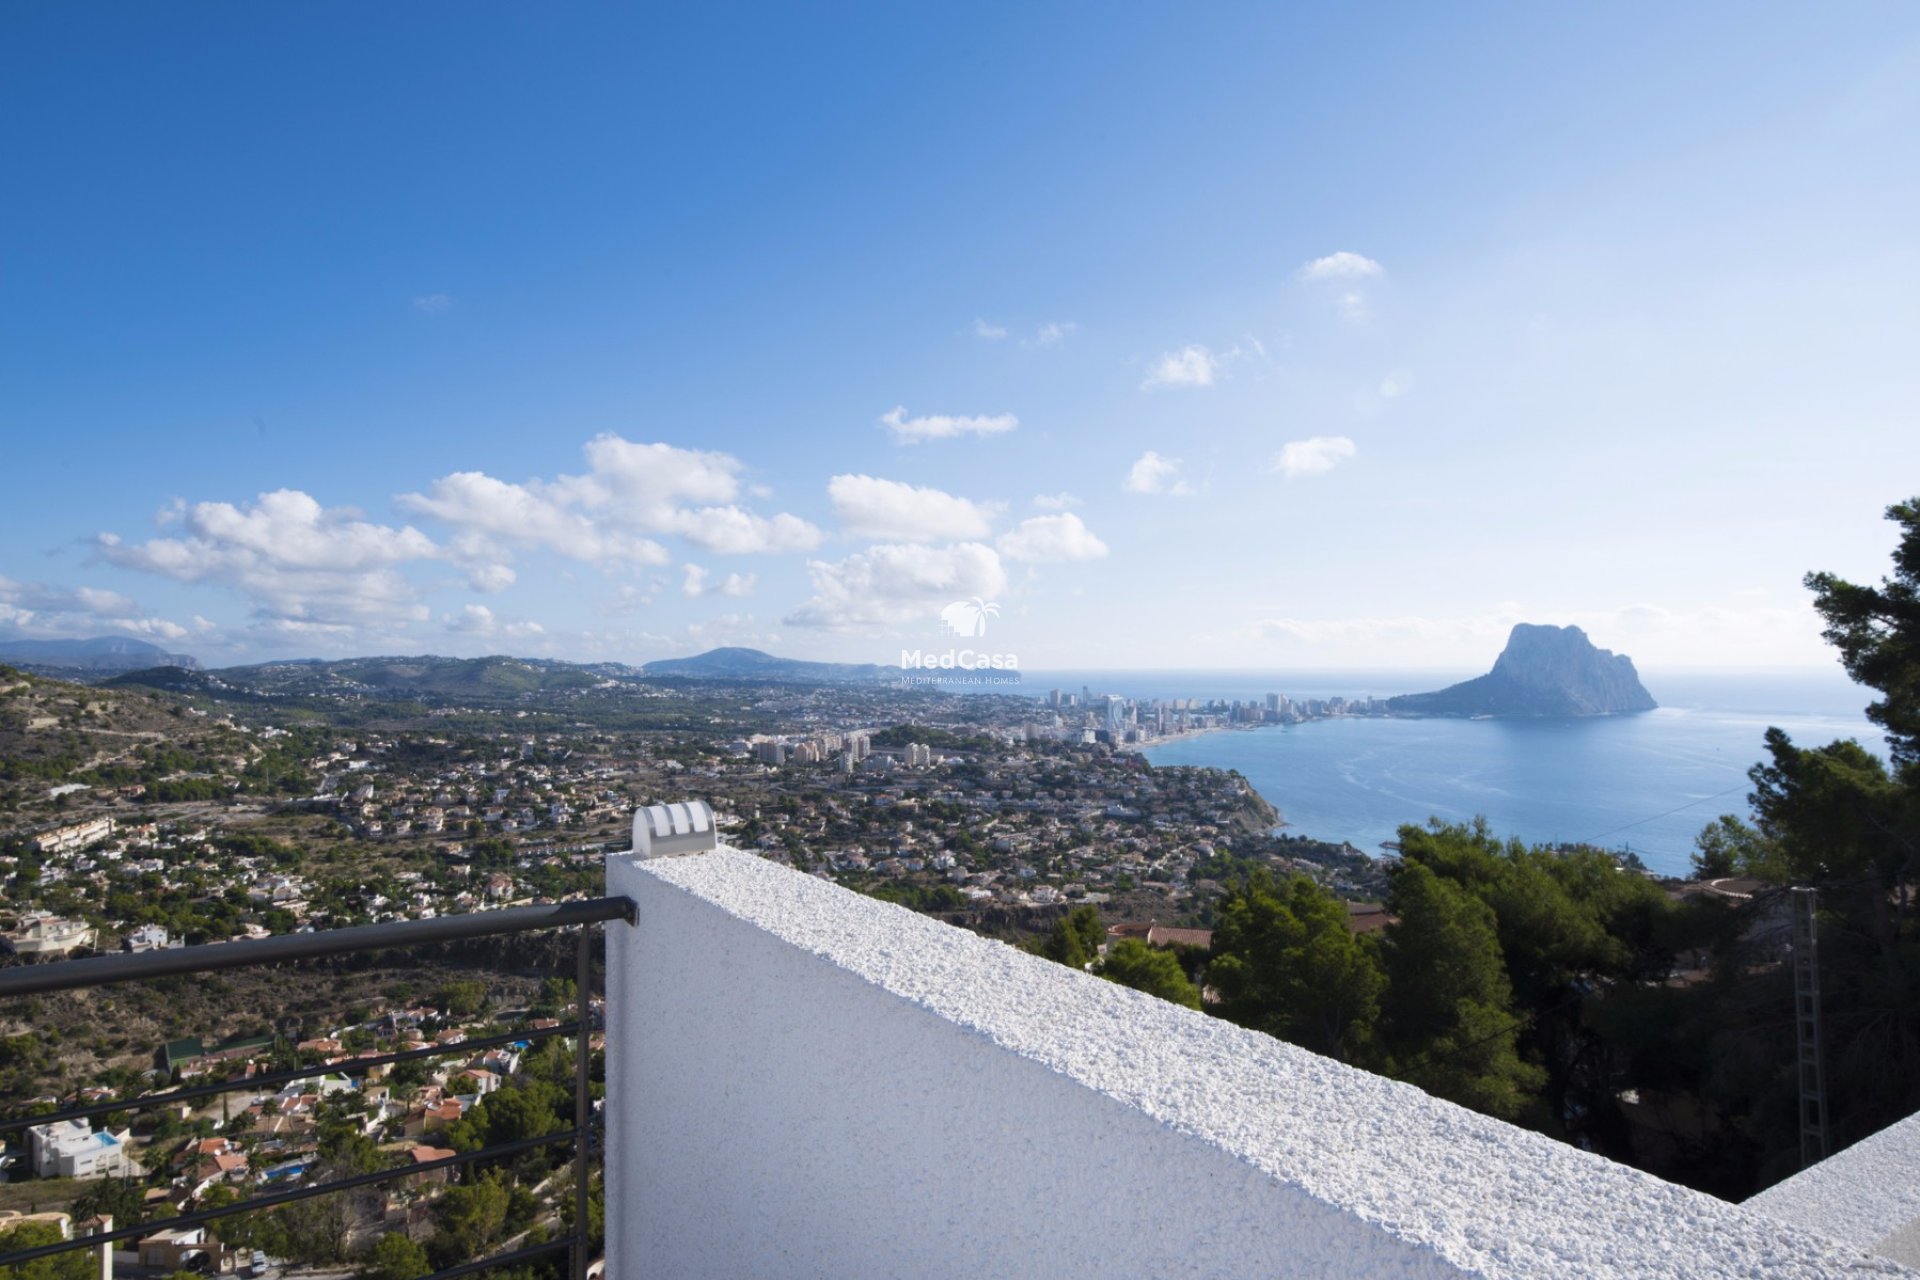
[582, 1105]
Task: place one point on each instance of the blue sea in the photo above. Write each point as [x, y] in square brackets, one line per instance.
[1645, 782]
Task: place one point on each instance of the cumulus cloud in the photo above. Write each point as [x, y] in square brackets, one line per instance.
[478, 620]
[696, 583]
[734, 531]
[1311, 457]
[1051, 334]
[528, 515]
[489, 579]
[1191, 366]
[897, 512]
[1152, 473]
[942, 426]
[1055, 501]
[1348, 271]
[36, 608]
[897, 582]
[1342, 266]
[295, 560]
[1043, 538]
[602, 516]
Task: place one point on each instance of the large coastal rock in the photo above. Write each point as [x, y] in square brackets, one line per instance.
[1544, 671]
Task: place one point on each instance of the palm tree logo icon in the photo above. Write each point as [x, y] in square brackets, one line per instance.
[969, 617]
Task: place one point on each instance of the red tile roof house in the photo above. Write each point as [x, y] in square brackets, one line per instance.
[426, 1155]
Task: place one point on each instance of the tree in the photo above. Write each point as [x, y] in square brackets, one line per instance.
[396, 1257]
[462, 999]
[1877, 631]
[122, 1199]
[1076, 938]
[75, 1265]
[1285, 962]
[1132, 963]
[1726, 847]
[1450, 1024]
[470, 1218]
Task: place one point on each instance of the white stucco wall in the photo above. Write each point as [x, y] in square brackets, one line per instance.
[1867, 1195]
[803, 1081]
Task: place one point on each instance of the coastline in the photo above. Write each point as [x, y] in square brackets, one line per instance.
[1280, 824]
[1181, 736]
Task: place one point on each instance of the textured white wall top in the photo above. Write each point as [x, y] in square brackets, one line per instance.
[806, 1081]
[1867, 1195]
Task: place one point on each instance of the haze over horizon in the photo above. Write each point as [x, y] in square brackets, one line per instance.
[1236, 340]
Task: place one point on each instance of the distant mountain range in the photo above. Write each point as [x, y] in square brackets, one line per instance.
[1543, 672]
[465, 680]
[100, 656]
[752, 664]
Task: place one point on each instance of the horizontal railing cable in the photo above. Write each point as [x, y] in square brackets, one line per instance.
[268, 1079]
[97, 971]
[507, 1259]
[274, 1201]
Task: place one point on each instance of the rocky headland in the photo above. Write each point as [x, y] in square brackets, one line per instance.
[1543, 672]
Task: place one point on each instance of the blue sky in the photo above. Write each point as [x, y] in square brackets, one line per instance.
[1231, 335]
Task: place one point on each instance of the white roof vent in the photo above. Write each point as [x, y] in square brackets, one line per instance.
[665, 830]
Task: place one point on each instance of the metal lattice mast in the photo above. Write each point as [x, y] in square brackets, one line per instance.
[1806, 1005]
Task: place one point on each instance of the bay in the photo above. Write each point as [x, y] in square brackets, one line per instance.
[1645, 783]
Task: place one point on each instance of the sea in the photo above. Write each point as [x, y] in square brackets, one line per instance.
[1644, 783]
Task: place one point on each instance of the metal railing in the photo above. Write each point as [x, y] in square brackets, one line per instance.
[71, 975]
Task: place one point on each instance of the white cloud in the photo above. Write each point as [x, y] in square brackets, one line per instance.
[627, 599]
[1342, 266]
[37, 609]
[891, 583]
[478, 620]
[473, 619]
[489, 579]
[1191, 366]
[1348, 271]
[1152, 473]
[734, 531]
[897, 512]
[432, 303]
[1061, 537]
[1396, 384]
[695, 584]
[630, 490]
[943, 427]
[1051, 334]
[1055, 501]
[295, 560]
[1313, 457]
[656, 477]
[151, 628]
[528, 515]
